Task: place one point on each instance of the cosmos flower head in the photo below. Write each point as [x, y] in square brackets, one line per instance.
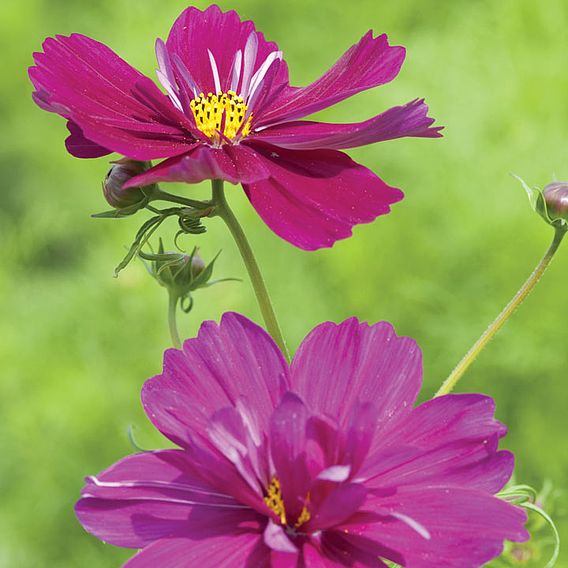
[324, 462]
[229, 113]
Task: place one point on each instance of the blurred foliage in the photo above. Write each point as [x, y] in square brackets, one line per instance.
[77, 344]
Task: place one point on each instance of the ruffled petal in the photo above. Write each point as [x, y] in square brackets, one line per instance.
[227, 362]
[367, 64]
[235, 164]
[149, 496]
[245, 549]
[314, 198]
[113, 104]
[338, 366]
[410, 119]
[197, 33]
[450, 440]
[450, 527]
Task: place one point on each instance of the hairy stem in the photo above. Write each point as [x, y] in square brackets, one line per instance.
[158, 194]
[172, 320]
[450, 383]
[223, 210]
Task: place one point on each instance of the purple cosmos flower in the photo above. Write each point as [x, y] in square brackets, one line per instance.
[231, 114]
[321, 464]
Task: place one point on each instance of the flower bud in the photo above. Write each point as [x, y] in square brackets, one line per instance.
[179, 272]
[551, 204]
[120, 172]
[197, 265]
[556, 198]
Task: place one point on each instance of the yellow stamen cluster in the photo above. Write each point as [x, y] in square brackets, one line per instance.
[303, 518]
[275, 503]
[274, 499]
[221, 112]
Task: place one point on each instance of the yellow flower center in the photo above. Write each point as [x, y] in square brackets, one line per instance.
[275, 503]
[221, 113]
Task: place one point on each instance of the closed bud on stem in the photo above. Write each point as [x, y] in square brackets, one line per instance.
[180, 273]
[556, 198]
[197, 265]
[121, 171]
[551, 203]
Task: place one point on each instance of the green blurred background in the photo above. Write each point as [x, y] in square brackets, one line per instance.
[76, 344]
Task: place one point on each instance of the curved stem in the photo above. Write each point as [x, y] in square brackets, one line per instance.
[223, 210]
[490, 332]
[158, 194]
[172, 320]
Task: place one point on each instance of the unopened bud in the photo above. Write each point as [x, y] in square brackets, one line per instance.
[120, 172]
[551, 204]
[197, 265]
[556, 197]
[179, 272]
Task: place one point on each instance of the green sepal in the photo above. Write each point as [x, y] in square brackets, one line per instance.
[148, 228]
[204, 276]
[130, 209]
[120, 213]
[143, 234]
[527, 497]
[133, 442]
[538, 203]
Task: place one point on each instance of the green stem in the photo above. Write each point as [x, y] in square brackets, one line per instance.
[158, 194]
[517, 300]
[223, 210]
[172, 320]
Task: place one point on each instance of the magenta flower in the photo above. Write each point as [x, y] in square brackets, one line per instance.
[321, 464]
[231, 114]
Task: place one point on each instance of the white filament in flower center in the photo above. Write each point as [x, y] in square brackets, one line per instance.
[224, 115]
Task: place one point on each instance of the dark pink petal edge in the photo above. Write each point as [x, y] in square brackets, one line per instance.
[408, 120]
[313, 198]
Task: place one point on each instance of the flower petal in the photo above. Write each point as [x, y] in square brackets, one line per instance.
[240, 443]
[235, 164]
[410, 119]
[225, 363]
[367, 64]
[276, 539]
[196, 33]
[450, 440]
[314, 558]
[79, 146]
[360, 432]
[314, 198]
[288, 444]
[450, 527]
[338, 549]
[113, 104]
[338, 505]
[244, 549]
[148, 496]
[338, 366]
